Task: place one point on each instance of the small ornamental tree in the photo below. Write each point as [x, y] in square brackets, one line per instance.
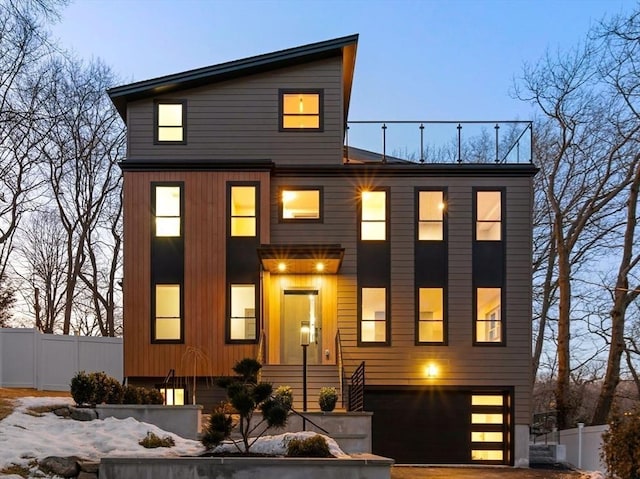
[621, 445]
[246, 395]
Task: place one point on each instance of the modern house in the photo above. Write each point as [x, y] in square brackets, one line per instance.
[251, 224]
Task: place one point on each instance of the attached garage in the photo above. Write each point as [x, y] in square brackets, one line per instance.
[429, 425]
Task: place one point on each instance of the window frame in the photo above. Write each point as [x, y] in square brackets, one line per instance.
[501, 191]
[387, 217]
[166, 184]
[445, 335]
[157, 126]
[443, 221]
[154, 316]
[502, 320]
[387, 316]
[229, 308]
[305, 91]
[319, 189]
[229, 214]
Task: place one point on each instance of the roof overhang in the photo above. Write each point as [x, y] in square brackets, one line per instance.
[301, 259]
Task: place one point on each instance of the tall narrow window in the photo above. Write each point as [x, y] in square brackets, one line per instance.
[243, 211]
[167, 312]
[300, 204]
[489, 318]
[489, 423]
[431, 216]
[430, 315]
[488, 216]
[170, 122]
[373, 324]
[373, 215]
[242, 321]
[301, 109]
[167, 211]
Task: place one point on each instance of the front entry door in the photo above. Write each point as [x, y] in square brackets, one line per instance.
[300, 306]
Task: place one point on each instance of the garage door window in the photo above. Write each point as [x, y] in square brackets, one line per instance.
[488, 427]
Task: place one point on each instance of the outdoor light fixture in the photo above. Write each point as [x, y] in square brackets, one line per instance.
[305, 338]
[431, 370]
[320, 267]
[305, 333]
[282, 267]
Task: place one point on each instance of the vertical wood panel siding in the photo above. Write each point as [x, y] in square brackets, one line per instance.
[239, 119]
[403, 362]
[204, 282]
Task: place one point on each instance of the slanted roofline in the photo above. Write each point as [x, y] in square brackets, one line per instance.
[344, 46]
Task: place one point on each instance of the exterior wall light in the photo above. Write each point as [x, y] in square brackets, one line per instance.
[320, 267]
[282, 267]
[431, 370]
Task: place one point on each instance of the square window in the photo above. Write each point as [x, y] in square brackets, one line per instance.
[300, 204]
[301, 110]
[170, 122]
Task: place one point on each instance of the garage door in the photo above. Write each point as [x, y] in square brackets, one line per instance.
[440, 426]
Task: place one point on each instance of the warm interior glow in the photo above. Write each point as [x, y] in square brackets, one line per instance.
[301, 110]
[373, 324]
[487, 400]
[482, 455]
[483, 436]
[488, 324]
[301, 204]
[243, 211]
[170, 122]
[477, 418]
[374, 215]
[430, 223]
[173, 396]
[167, 211]
[305, 333]
[282, 267]
[167, 311]
[431, 371]
[431, 318]
[243, 312]
[489, 216]
[320, 267]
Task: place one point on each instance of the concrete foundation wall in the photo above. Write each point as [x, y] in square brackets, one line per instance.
[366, 466]
[521, 446]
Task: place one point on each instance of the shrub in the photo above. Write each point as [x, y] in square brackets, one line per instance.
[152, 441]
[131, 395]
[151, 396]
[81, 388]
[314, 446]
[621, 445]
[284, 394]
[328, 399]
[106, 389]
[218, 429]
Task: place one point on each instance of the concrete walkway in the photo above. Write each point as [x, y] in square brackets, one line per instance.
[434, 472]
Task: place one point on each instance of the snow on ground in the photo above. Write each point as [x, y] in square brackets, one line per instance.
[24, 437]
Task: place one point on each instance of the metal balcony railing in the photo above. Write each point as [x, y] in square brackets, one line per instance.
[439, 142]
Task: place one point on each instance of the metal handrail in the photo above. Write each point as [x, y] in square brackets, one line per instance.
[260, 354]
[512, 142]
[171, 375]
[356, 391]
[340, 366]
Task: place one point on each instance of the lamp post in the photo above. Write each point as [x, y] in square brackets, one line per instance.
[305, 331]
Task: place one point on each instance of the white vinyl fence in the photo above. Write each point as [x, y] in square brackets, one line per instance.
[583, 447]
[30, 359]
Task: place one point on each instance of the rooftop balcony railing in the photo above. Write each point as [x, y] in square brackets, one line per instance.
[485, 142]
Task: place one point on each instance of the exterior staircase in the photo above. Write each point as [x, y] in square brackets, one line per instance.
[318, 376]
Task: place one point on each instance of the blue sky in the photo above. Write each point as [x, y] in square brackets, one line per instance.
[417, 60]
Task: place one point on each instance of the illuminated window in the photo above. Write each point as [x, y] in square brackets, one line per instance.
[431, 215]
[373, 325]
[170, 122]
[300, 204]
[301, 109]
[488, 427]
[167, 313]
[243, 211]
[488, 216]
[430, 315]
[167, 210]
[173, 396]
[374, 215]
[488, 320]
[242, 321]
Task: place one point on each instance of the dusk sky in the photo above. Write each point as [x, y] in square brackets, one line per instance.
[416, 60]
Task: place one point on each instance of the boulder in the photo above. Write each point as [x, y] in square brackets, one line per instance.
[60, 466]
[89, 466]
[62, 412]
[83, 414]
[88, 475]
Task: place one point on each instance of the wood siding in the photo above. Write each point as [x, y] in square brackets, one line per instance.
[204, 275]
[402, 363]
[239, 120]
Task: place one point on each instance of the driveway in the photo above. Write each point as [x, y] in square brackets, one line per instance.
[433, 472]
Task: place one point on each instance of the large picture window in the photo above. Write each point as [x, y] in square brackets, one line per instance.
[431, 215]
[243, 211]
[488, 215]
[373, 323]
[299, 204]
[170, 122]
[301, 110]
[489, 327]
[167, 211]
[242, 320]
[431, 315]
[373, 219]
[168, 315]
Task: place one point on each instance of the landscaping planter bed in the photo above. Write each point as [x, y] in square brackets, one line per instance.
[363, 466]
[185, 421]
